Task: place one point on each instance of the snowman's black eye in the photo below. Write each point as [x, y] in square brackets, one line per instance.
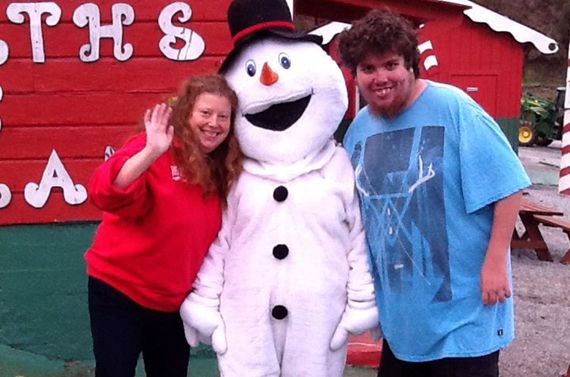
[284, 60]
[250, 68]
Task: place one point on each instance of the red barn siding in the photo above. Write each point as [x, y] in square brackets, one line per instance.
[473, 55]
[78, 108]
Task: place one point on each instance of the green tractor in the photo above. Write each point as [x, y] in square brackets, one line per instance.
[541, 119]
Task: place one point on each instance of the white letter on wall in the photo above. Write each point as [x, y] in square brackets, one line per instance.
[1, 96]
[3, 58]
[194, 46]
[88, 14]
[109, 151]
[54, 175]
[4, 52]
[5, 195]
[15, 13]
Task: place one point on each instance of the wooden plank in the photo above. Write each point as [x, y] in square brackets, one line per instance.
[535, 208]
[144, 9]
[527, 244]
[56, 210]
[534, 237]
[65, 40]
[76, 109]
[557, 223]
[554, 222]
[108, 75]
[16, 174]
[69, 142]
[566, 260]
[17, 74]
[137, 75]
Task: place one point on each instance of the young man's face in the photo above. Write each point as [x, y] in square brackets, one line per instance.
[385, 83]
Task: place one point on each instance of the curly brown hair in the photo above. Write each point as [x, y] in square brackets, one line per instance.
[378, 33]
[216, 171]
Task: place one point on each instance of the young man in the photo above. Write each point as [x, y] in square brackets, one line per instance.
[440, 188]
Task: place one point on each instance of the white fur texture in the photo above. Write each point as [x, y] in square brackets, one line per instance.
[311, 71]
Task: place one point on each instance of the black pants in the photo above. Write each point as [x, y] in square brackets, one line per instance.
[483, 366]
[121, 330]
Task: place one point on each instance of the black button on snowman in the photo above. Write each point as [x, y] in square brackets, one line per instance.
[280, 193]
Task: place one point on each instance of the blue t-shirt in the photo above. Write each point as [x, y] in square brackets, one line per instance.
[427, 181]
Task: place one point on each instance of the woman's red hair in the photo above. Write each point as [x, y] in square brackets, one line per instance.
[217, 171]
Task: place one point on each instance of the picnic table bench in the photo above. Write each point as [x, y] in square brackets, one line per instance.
[531, 215]
[557, 223]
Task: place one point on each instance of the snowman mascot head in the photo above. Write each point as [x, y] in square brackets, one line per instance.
[292, 95]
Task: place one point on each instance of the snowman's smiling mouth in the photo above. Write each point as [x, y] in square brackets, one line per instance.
[280, 116]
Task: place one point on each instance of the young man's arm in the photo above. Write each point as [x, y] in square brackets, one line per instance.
[494, 278]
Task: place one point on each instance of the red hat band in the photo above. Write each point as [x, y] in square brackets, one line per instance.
[262, 26]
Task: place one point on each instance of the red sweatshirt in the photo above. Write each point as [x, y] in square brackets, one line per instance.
[154, 234]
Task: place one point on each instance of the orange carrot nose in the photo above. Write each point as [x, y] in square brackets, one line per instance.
[268, 77]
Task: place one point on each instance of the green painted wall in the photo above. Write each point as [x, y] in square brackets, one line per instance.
[43, 297]
[44, 322]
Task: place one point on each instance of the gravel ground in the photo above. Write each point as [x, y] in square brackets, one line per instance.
[542, 302]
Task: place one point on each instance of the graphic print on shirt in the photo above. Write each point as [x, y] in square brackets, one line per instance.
[400, 177]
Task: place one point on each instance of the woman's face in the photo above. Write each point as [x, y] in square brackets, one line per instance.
[210, 120]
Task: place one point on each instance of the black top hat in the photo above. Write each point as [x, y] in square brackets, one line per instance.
[250, 19]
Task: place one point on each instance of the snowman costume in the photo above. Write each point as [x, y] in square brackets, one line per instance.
[287, 279]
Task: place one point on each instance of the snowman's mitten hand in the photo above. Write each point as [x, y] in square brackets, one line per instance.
[339, 339]
[219, 343]
[355, 321]
[358, 320]
[201, 314]
[191, 335]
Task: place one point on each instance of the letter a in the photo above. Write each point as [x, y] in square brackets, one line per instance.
[54, 175]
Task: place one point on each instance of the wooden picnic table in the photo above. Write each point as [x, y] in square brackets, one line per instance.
[531, 215]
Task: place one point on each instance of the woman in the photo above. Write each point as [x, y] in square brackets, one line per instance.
[162, 195]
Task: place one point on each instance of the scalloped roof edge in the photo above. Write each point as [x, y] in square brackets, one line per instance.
[499, 23]
[477, 13]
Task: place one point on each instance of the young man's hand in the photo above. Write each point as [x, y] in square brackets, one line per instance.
[495, 285]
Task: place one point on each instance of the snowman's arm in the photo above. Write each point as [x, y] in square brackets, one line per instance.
[200, 311]
[210, 279]
[360, 287]
[361, 313]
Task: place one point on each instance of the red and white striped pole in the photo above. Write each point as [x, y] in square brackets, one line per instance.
[564, 182]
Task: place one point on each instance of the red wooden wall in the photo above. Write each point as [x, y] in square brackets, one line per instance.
[78, 108]
[486, 64]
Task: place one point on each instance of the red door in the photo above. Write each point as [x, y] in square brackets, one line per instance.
[482, 88]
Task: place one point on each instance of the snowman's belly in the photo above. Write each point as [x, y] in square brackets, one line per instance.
[296, 245]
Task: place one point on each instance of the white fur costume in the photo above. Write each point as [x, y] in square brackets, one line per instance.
[288, 277]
